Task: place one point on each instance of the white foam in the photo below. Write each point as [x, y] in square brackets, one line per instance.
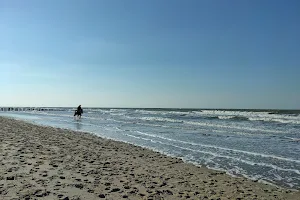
[226, 117]
[232, 126]
[205, 124]
[222, 148]
[281, 120]
[161, 119]
[221, 156]
[254, 116]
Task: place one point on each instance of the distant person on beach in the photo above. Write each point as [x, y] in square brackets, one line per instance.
[78, 112]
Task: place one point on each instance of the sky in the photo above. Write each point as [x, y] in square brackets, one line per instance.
[150, 53]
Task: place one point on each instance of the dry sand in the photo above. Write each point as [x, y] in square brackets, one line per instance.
[50, 163]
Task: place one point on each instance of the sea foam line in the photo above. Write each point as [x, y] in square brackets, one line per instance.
[221, 156]
[223, 148]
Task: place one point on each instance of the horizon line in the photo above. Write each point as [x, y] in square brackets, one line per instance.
[89, 107]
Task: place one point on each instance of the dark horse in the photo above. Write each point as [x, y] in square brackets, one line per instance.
[78, 112]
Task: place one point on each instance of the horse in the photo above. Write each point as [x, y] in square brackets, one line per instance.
[77, 113]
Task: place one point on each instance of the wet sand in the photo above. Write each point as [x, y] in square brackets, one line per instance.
[49, 163]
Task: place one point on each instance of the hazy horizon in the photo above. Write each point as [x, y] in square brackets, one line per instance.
[151, 108]
[150, 54]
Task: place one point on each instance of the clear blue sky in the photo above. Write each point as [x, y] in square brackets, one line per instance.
[150, 53]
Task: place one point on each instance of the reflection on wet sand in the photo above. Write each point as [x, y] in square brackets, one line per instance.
[78, 125]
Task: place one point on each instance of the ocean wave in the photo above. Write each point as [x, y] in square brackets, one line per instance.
[118, 110]
[252, 116]
[197, 124]
[232, 117]
[279, 120]
[174, 113]
[153, 112]
[223, 148]
[161, 119]
[284, 117]
[237, 159]
[152, 119]
[117, 114]
[214, 125]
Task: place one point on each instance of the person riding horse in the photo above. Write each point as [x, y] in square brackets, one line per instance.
[79, 111]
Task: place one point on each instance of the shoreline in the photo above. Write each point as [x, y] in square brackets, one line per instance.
[54, 163]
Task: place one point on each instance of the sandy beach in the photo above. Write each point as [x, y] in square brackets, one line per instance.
[50, 163]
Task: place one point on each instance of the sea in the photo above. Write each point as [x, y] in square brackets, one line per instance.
[262, 145]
